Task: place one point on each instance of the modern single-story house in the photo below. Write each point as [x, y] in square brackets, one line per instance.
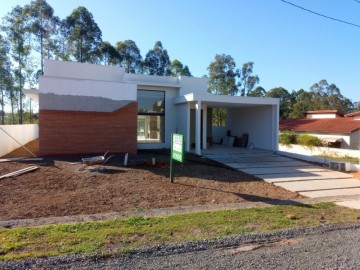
[329, 125]
[91, 109]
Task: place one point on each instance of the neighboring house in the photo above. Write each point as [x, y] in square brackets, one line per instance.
[329, 125]
[91, 109]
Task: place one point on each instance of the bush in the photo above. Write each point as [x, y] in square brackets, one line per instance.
[309, 140]
[288, 137]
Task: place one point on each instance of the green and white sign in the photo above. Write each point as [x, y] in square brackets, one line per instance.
[177, 152]
[177, 147]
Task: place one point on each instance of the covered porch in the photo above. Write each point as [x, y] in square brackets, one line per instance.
[256, 116]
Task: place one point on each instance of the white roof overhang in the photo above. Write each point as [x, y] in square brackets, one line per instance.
[226, 101]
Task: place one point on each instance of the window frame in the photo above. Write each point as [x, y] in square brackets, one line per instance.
[160, 114]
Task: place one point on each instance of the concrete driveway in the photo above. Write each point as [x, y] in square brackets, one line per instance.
[307, 179]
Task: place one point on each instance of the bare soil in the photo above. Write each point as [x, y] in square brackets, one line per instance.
[60, 188]
[32, 146]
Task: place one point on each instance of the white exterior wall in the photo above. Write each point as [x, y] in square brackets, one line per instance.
[183, 123]
[193, 85]
[257, 122]
[355, 140]
[322, 115]
[218, 132]
[299, 152]
[22, 133]
[85, 71]
[91, 88]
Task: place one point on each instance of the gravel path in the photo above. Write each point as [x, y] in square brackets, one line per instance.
[326, 247]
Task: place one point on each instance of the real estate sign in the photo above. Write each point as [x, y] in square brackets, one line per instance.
[177, 147]
[177, 151]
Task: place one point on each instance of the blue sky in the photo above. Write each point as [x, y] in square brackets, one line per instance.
[290, 47]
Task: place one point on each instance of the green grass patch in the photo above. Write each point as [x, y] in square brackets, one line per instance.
[123, 235]
[342, 159]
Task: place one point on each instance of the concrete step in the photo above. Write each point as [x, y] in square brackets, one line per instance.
[268, 164]
[285, 170]
[316, 185]
[332, 192]
[304, 176]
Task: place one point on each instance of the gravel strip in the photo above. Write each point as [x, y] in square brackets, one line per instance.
[157, 257]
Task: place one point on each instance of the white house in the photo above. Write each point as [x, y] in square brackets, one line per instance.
[85, 108]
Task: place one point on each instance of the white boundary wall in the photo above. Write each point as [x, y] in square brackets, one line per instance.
[22, 133]
[300, 152]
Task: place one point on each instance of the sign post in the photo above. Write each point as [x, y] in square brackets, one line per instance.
[177, 151]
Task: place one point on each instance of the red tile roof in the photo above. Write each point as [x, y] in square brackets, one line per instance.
[337, 125]
[352, 114]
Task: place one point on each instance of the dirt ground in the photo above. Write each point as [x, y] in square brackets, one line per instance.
[60, 188]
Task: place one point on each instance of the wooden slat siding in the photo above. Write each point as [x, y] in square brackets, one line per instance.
[77, 133]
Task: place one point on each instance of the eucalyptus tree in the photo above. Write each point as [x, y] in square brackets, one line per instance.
[43, 26]
[328, 97]
[222, 76]
[247, 81]
[157, 61]
[17, 33]
[257, 92]
[83, 35]
[177, 68]
[5, 76]
[108, 54]
[130, 57]
[285, 100]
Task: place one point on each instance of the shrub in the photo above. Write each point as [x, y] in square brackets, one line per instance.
[309, 140]
[288, 137]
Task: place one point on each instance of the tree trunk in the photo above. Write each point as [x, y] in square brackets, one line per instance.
[2, 106]
[20, 92]
[12, 101]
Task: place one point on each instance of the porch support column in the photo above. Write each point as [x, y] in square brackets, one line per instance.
[187, 135]
[198, 128]
[204, 127]
[275, 127]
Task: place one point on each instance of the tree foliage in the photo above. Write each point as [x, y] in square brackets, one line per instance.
[108, 54]
[5, 76]
[157, 61]
[226, 79]
[257, 92]
[176, 68]
[84, 36]
[17, 31]
[43, 26]
[129, 56]
[222, 76]
[285, 100]
[247, 81]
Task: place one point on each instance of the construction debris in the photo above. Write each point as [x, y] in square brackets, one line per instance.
[21, 159]
[98, 160]
[19, 172]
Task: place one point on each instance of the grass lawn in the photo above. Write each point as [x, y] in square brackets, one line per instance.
[343, 159]
[123, 235]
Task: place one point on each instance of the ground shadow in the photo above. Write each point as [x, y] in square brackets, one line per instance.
[253, 198]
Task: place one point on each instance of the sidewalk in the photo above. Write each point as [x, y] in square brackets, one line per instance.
[309, 180]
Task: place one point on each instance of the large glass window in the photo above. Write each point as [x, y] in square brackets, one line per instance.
[151, 116]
